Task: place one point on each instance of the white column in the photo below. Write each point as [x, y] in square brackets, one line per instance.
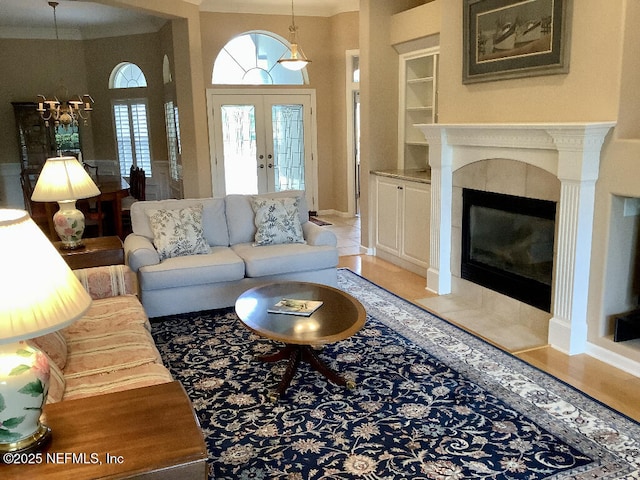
[440, 160]
[578, 165]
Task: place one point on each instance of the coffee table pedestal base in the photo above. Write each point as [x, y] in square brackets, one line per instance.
[295, 354]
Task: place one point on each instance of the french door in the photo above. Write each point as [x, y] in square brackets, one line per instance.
[262, 143]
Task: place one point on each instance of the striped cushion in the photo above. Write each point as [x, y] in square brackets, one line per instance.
[108, 315]
[141, 376]
[107, 352]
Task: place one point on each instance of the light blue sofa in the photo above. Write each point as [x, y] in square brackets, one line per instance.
[216, 279]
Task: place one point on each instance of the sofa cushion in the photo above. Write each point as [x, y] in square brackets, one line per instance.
[277, 220]
[241, 217]
[116, 381]
[178, 232]
[213, 217]
[221, 264]
[103, 352]
[287, 258]
[108, 314]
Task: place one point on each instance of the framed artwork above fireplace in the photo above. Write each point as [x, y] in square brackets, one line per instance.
[505, 39]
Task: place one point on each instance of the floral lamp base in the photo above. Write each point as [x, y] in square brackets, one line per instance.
[69, 224]
[24, 383]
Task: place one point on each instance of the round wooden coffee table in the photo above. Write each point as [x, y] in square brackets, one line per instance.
[339, 317]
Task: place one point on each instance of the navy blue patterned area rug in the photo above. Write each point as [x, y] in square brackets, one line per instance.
[431, 402]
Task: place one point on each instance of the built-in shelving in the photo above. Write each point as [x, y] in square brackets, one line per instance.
[418, 105]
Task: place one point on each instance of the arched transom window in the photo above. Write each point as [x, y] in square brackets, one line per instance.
[127, 75]
[252, 59]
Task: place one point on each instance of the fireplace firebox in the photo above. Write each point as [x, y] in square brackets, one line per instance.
[508, 245]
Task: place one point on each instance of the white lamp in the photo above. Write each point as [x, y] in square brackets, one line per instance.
[297, 60]
[38, 294]
[64, 180]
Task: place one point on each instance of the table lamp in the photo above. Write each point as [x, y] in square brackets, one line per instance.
[38, 295]
[64, 180]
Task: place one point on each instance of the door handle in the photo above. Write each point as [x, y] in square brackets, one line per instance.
[270, 165]
[261, 157]
[261, 165]
[269, 156]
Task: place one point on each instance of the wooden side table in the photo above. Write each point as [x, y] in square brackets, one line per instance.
[96, 252]
[149, 433]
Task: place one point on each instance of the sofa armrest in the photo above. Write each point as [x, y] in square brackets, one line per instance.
[139, 252]
[318, 236]
[108, 281]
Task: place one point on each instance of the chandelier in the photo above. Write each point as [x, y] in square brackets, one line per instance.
[297, 60]
[66, 112]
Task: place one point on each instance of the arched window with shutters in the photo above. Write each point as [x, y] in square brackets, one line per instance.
[130, 118]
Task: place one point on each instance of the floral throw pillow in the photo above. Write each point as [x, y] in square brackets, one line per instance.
[277, 221]
[178, 232]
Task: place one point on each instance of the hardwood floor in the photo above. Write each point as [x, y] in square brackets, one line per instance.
[607, 384]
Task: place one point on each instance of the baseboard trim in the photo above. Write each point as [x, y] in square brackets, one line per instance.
[614, 359]
[336, 213]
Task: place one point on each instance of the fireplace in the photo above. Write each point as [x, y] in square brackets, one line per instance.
[508, 245]
[571, 152]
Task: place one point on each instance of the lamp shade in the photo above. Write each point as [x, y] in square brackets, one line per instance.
[63, 178]
[38, 291]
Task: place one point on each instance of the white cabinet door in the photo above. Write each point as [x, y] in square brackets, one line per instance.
[416, 205]
[388, 215]
[403, 211]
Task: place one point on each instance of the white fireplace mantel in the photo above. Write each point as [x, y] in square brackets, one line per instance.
[571, 151]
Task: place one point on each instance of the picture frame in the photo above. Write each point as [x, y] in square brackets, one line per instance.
[505, 39]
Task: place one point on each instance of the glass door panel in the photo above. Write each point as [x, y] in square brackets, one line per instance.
[239, 148]
[287, 122]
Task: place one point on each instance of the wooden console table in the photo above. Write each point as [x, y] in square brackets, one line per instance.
[149, 433]
[96, 252]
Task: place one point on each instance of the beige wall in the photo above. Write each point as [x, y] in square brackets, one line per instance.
[33, 67]
[344, 36]
[588, 93]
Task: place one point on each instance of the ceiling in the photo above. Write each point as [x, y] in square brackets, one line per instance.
[83, 19]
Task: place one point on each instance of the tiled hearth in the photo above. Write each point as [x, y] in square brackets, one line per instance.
[570, 153]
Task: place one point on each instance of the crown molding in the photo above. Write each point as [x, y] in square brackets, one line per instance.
[327, 8]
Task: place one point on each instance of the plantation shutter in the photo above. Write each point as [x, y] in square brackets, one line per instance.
[132, 135]
[173, 141]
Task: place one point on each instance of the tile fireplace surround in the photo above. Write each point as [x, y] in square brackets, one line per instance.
[571, 152]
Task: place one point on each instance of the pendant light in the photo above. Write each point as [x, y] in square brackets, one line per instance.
[298, 60]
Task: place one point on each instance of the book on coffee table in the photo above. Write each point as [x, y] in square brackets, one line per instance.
[291, 306]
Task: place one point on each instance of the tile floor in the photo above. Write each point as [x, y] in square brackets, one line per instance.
[347, 230]
[505, 330]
